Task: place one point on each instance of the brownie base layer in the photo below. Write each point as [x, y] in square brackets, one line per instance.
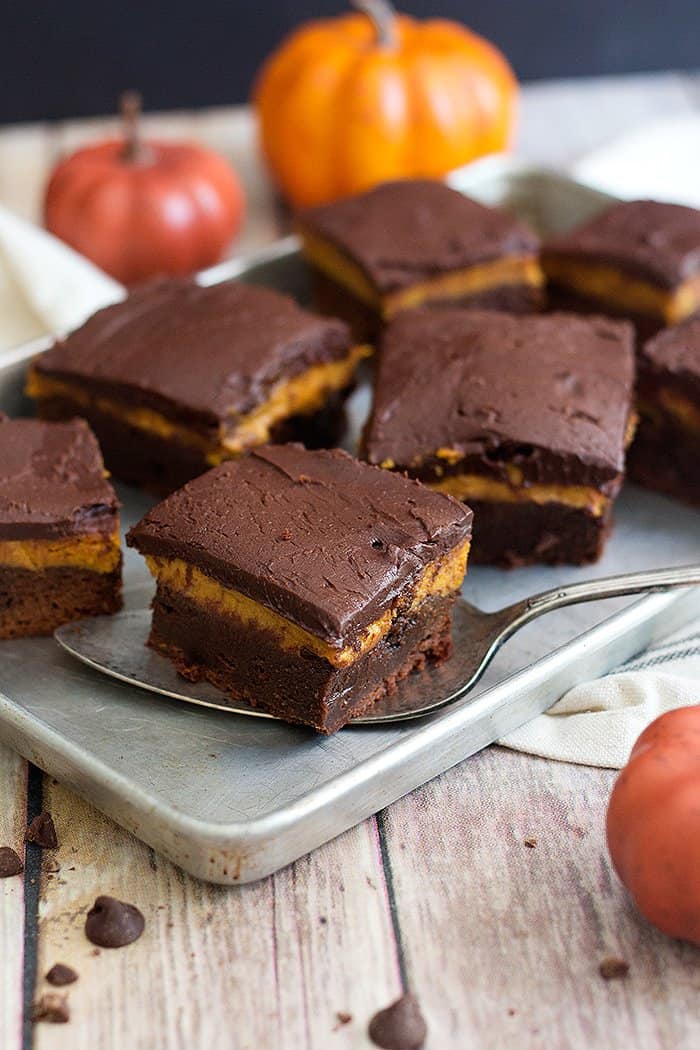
[296, 686]
[513, 534]
[149, 461]
[666, 458]
[37, 602]
[333, 300]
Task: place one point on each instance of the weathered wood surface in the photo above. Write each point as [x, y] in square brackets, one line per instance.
[13, 808]
[500, 941]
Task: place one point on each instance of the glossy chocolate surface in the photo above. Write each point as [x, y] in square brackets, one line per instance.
[550, 394]
[52, 481]
[402, 233]
[659, 243]
[322, 539]
[200, 355]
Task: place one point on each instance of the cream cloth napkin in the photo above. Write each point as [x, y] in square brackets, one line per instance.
[45, 286]
[596, 723]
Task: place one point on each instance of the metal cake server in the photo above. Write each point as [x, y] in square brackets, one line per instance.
[115, 645]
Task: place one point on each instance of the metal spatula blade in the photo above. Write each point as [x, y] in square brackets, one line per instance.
[116, 646]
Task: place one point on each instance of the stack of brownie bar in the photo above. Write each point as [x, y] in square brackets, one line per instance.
[178, 378]
[299, 578]
[416, 243]
[60, 555]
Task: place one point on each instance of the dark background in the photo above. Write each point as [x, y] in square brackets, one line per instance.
[72, 58]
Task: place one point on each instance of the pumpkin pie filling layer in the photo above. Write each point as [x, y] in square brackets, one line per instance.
[60, 556]
[303, 395]
[92, 552]
[454, 285]
[202, 374]
[329, 571]
[526, 419]
[625, 294]
[438, 580]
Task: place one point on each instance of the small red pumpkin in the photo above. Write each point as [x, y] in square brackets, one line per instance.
[653, 823]
[141, 209]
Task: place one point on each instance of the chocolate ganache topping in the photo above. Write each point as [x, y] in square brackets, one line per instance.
[52, 480]
[551, 394]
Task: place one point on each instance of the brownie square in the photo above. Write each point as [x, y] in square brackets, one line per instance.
[178, 377]
[526, 418]
[639, 260]
[60, 557]
[665, 454]
[417, 242]
[307, 583]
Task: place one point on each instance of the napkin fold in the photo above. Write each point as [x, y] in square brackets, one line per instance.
[47, 287]
[596, 723]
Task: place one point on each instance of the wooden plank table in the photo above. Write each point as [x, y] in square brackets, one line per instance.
[439, 893]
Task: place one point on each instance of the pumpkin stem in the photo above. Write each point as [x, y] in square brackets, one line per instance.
[130, 106]
[383, 18]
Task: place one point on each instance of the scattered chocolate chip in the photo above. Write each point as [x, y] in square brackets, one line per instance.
[112, 923]
[42, 832]
[59, 975]
[530, 842]
[400, 1026]
[10, 863]
[51, 1007]
[613, 968]
[342, 1017]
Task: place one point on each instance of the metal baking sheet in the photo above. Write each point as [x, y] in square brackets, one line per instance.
[232, 799]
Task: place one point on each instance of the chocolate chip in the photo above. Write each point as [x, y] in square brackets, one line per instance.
[530, 842]
[59, 975]
[343, 1018]
[613, 968]
[10, 863]
[42, 832]
[112, 923]
[400, 1026]
[51, 1007]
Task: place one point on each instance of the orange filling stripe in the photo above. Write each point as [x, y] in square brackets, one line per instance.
[440, 578]
[608, 285]
[97, 553]
[519, 269]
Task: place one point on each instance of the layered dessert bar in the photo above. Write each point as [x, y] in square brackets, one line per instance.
[305, 582]
[177, 378]
[412, 243]
[525, 418]
[639, 260]
[665, 454]
[60, 557]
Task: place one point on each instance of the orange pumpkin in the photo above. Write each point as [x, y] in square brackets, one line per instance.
[349, 102]
[143, 209]
[653, 823]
